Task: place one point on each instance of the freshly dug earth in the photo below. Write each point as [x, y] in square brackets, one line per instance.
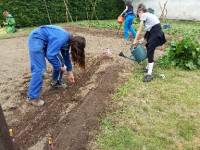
[70, 115]
[84, 119]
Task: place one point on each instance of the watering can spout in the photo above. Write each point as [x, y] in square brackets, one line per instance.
[121, 54]
[137, 53]
[133, 58]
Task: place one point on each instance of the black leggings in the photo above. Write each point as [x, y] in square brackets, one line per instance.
[154, 38]
[151, 46]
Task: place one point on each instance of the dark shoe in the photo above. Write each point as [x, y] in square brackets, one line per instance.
[148, 78]
[35, 102]
[56, 84]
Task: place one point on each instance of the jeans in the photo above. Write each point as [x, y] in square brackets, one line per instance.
[128, 27]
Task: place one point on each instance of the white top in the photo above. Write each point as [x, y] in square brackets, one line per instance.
[150, 20]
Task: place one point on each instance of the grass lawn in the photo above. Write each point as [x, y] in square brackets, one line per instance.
[161, 115]
[178, 27]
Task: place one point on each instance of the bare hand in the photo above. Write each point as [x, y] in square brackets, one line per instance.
[142, 40]
[135, 43]
[63, 69]
[70, 77]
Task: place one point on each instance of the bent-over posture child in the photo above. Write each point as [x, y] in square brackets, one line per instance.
[58, 47]
[154, 37]
[129, 19]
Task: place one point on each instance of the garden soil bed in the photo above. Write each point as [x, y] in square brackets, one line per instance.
[70, 115]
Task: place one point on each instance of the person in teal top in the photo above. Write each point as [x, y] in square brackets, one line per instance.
[9, 23]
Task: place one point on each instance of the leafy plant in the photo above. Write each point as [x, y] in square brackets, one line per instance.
[183, 53]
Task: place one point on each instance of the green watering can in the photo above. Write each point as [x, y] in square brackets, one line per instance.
[137, 53]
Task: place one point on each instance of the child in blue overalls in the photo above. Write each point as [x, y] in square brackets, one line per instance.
[58, 47]
[129, 19]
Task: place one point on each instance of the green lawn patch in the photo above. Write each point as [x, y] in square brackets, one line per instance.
[160, 115]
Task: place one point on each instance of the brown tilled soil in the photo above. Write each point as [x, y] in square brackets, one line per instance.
[84, 119]
[70, 115]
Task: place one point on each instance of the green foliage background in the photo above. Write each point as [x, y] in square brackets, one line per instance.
[33, 13]
[183, 53]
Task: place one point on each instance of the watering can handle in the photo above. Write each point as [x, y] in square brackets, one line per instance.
[134, 46]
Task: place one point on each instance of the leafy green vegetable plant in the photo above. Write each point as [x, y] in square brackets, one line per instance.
[184, 53]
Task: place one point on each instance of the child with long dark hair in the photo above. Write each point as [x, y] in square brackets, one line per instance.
[154, 36]
[129, 15]
[58, 47]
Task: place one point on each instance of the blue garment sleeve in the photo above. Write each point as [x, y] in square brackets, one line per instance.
[53, 54]
[65, 51]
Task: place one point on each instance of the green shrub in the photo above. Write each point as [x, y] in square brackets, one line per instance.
[183, 53]
[34, 13]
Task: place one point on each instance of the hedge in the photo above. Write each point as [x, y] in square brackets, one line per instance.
[33, 13]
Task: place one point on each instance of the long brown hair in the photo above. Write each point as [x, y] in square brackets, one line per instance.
[78, 44]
